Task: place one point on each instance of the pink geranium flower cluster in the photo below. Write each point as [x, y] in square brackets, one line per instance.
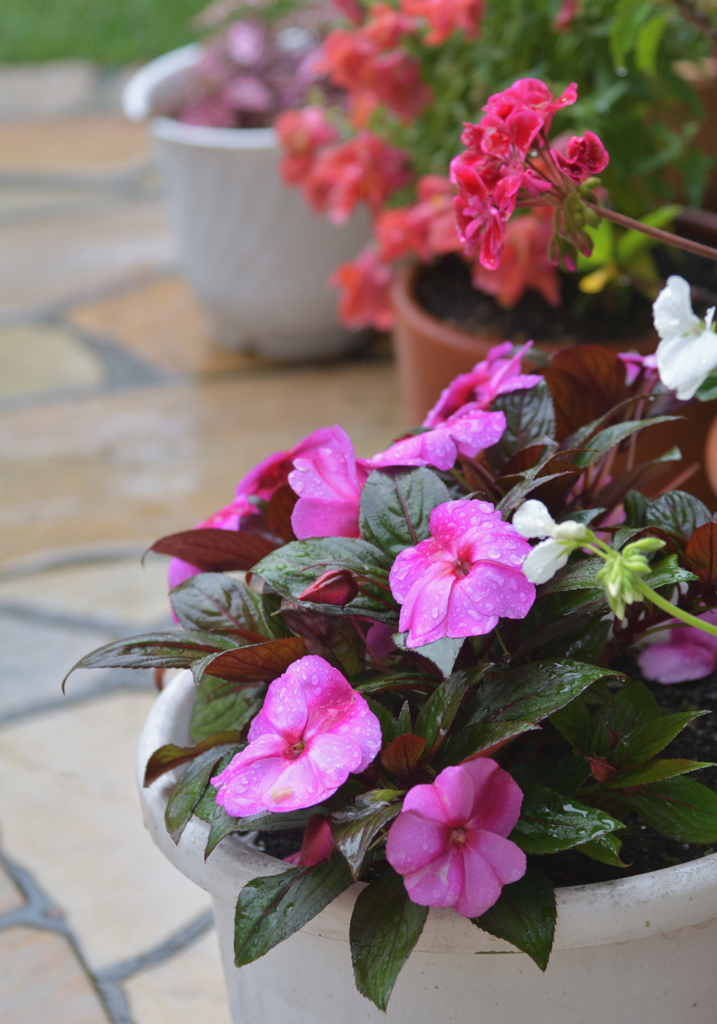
[508, 159]
[444, 17]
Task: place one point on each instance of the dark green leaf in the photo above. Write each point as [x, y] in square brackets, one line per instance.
[648, 738]
[574, 723]
[270, 909]
[524, 916]
[576, 576]
[396, 507]
[215, 710]
[654, 771]
[171, 756]
[389, 725]
[482, 739]
[565, 776]
[635, 509]
[550, 822]
[442, 653]
[668, 572]
[707, 391]
[354, 828]
[217, 602]
[605, 849]
[678, 513]
[394, 681]
[291, 569]
[681, 808]
[529, 418]
[435, 717]
[385, 926]
[190, 789]
[611, 436]
[222, 824]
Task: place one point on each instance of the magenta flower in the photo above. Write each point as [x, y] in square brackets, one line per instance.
[313, 730]
[464, 577]
[450, 840]
[329, 480]
[467, 432]
[584, 156]
[689, 654]
[497, 374]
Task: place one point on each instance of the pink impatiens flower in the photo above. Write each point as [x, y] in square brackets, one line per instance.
[464, 577]
[690, 653]
[495, 375]
[467, 432]
[329, 480]
[450, 840]
[313, 730]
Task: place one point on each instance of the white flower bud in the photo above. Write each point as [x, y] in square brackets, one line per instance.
[570, 530]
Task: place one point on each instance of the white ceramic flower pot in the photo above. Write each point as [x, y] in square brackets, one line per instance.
[635, 951]
[253, 251]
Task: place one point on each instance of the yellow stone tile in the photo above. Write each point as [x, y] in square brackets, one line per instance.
[69, 813]
[153, 461]
[115, 591]
[37, 360]
[10, 897]
[188, 989]
[78, 145]
[41, 981]
[163, 324]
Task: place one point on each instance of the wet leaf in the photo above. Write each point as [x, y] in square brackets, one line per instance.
[550, 822]
[606, 850]
[529, 418]
[396, 507]
[402, 755]
[470, 741]
[435, 717]
[255, 664]
[442, 653]
[677, 513]
[354, 828]
[524, 916]
[213, 550]
[216, 602]
[190, 788]
[680, 808]
[385, 926]
[171, 756]
[271, 908]
[216, 710]
[654, 771]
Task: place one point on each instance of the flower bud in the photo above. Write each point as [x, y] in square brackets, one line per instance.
[337, 586]
[592, 218]
[570, 530]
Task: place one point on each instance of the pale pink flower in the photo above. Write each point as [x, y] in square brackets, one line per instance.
[313, 731]
[365, 285]
[450, 840]
[495, 375]
[427, 228]
[444, 17]
[464, 577]
[467, 432]
[302, 134]
[690, 653]
[328, 480]
[245, 42]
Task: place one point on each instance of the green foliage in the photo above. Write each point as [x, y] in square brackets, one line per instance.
[550, 822]
[525, 916]
[396, 507]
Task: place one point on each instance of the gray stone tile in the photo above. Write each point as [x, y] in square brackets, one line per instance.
[10, 896]
[41, 981]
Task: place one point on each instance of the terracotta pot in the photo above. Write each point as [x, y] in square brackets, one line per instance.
[638, 950]
[430, 353]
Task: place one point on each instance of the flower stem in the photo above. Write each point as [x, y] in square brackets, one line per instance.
[678, 613]
[667, 237]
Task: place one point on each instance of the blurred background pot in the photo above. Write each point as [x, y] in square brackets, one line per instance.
[251, 249]
[637, 950]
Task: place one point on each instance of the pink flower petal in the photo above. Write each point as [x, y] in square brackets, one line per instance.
[439, 883]
[425, 801]
[334, 757]
[505, 858]
[285, 708]
[450, 522]
[424, 610]
[677, 663]
[497, 798]
[455, 789]
[414, 842]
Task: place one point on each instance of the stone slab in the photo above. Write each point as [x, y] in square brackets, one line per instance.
[35, 655]
[50, 261]
[187, 989]
[46, 90]
[69, 814]
[37, 360]
[10, 896]
[97, 145]
[41, 981]
[119, 591]
[160, 459]
[165, 325]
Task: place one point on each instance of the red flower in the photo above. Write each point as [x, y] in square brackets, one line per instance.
[524, 262]
[584, 156]
[444, 17]
[366, 285]
[302, 133]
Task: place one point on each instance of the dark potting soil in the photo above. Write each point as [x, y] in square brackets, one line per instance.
[444, 289]
[643, 848]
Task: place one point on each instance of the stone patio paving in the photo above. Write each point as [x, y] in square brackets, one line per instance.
[120, 421]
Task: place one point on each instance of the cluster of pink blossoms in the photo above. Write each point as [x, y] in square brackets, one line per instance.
[450, 841]
[508, 159]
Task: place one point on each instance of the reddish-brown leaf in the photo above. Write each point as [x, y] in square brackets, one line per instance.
[585, 382]
[213, 550]
[402, 756]
[257, 664]
[278, 514]
[701, 552]
[171, 756]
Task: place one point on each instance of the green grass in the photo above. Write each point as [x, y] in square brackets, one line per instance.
[111, 32]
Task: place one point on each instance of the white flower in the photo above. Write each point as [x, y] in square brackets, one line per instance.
[544, 561]
[533, 520]
[687, 353]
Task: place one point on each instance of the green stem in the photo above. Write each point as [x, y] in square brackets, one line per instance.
[678, 613]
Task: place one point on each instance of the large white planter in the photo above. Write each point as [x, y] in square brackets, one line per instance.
[253, 251]
[636, 951]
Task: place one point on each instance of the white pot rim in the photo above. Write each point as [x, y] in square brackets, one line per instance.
[657, 902]
[144, 87]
